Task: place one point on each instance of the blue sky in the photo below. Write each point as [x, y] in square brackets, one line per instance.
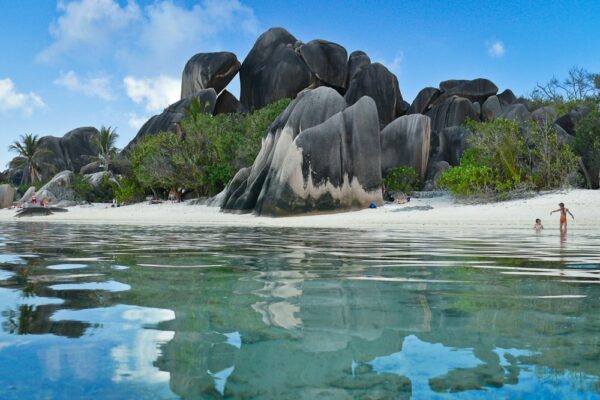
[77, 63]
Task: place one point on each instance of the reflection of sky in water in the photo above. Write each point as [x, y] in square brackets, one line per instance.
[15, 298]
[10, 259]
[4, 275]
[420, 361]
[111, 286]
[62, 267]
[113, 359]
[221, 378]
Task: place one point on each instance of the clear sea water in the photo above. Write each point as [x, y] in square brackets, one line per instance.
[99, 312]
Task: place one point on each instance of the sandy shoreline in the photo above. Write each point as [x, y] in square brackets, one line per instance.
[445, 213]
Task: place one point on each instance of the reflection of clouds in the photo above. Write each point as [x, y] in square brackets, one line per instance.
[234, 339]
[420, 361]
[280, 285]
[148, 315]
[135, 362]
[278, 314]
[221, 378]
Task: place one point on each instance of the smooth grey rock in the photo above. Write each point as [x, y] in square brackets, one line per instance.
[517, 112]
[477, 108]
[208, 70]
[356, 61]
[7, 195]
[452, 144]
[423, 101]
[435, 171]
[311, 107]
[227, 104]
[563, 135]
[272, 70]
[446, 86]
[329, 167]
[454, 111]
[53, 159]
[26, 198]
[59, 188]
[475, 90]
[97, 178]
[169, 119]
[570, 119]
[66, 203]
[491, 108]
[328, 62]
[544, 116]
[76, 145]
[405, 142]
[507, 98]
[377, 82]
[33, 212]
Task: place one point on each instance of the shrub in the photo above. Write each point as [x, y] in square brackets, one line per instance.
[129, 190]
[587, 142]
[84, 190]
[404, 179]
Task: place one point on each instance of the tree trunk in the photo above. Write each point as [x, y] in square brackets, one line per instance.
[585, 173]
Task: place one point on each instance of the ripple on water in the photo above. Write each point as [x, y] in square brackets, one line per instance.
[109, 286]
[62, 267]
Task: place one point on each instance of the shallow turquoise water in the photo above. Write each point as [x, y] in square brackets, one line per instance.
[207, 313]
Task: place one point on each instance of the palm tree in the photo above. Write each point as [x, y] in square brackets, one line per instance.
[107, 151]
[29, 153]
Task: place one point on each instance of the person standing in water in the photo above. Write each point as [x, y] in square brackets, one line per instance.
[538, 225]
[563, 217]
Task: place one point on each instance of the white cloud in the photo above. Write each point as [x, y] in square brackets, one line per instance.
[495, 48]
[155, 93]
[10, 99]
[88, 27]
[154, 35]
[92, 86]
[395, 64]
[136, 121]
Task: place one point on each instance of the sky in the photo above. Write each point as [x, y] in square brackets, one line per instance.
[67, 64]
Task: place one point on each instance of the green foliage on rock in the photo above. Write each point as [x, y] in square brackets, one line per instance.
[403, 179]
[587, 141]
[502, 159]
[205, 154]
[84, 190]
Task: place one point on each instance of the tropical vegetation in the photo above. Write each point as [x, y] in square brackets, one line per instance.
[30, 157]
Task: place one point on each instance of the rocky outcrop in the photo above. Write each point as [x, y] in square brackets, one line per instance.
[454, 111]
[317, 156]
[423, 101]
[169, 119]
[476, 90]
[208, 70]
[377, 82]
[452, 144]
[356, 61]
[544, 116]
[227, 103]
[7, 196]
[405, 142]
[570, 119]
[272, 70]
[507, 98]
[491, 108]
[327, 61]
[76, 145]
[516, 112]
[59, 188]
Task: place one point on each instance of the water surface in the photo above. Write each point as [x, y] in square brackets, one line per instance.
[250, 313]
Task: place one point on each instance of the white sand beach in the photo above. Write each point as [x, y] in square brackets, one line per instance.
[445, 212]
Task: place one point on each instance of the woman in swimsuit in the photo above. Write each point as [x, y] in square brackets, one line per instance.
[563, 217]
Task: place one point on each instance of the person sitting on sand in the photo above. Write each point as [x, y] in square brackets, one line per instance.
[403, 200]
[563, 216]
[538, 225]
[33, 198]
[45, 202]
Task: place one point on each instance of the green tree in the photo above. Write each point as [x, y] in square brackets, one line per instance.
[29, 154]
[587, 144]
[105, 143]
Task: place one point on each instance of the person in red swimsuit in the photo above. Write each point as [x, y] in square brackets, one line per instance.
[563, 217]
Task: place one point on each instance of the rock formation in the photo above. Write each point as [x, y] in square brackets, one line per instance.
[7, 195]
[208, 71]
[319, 155]
[405, 142]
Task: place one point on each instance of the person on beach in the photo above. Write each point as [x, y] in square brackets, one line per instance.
[538, 225]
[33, 199]
[563, 217]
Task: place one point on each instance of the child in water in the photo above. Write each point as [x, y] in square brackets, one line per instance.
[563, 217]
[538, 225]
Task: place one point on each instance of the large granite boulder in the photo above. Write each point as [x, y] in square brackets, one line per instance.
[507, 98]
[273, 70]
[377, 82]
[570, 119]
[327, 61]
[77, 145]
[170, 118]
[544, 116]
[58, 188]
[227, 103]
[208, 70]
[452, 144]
[476, 90]
[516, 112]
[356, 61]
[53, 158]
[423, 100]
[454, 111]
[491, 108]
[405, 142]
[7, 195]
[317, 156]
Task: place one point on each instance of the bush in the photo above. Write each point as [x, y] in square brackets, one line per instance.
[84, 190]
[500, 160]
[587, 143]
[129, 190]
[404, 179]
